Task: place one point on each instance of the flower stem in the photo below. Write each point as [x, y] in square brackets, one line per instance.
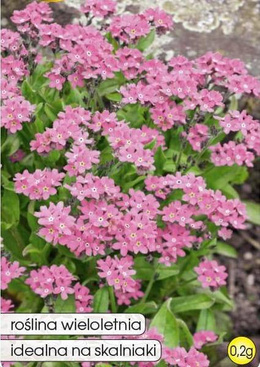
[112, 299]
[150, 285]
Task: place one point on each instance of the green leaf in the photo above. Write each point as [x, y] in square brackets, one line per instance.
[206, 320]
[133, 113]
[159, 161]
[222, 298]
[65, 306]
[190, 303]
[144, 308]
[146, 41]
[186, 338]
[219, 177]
[253, 212]
[109, 86]
[115, 97]
[10, 145]
[101, 300]
[10, 209]
[32, 220]
[50, 112]
[230, 192]
[162, 363]
[225, 249]
[169, 166]
[165, 322]
[132, 184]
[144, 269]
[164, 272]
[112, 40]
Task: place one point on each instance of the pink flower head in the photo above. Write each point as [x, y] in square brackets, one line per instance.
[53, 280]
[15, 112]
[211, 274]
[6, 305]
[129, 27]
[17, 156]
[197, 135]
[29, 19]
[55, 221]
[38, 185]
[80, 159]
[99, 8]
[83, 298]
[203, 337]
[159, 18]
[9, 271]
[118, 273]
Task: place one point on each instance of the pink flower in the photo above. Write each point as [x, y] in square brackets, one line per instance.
[9, 271]
[195, 359]
[13, 69]
[197, 135]
[159, 18]
[38, 185]
[56, 222]
[30, 18]
[211, 274]
[118, 273]
[17, 156]
[83, 298]
[130, 61]
[129, 27]
[167, 115]
[6, 305]
[15, 112]
[80, 159]
[203, 337]
[10, 41]
[231, 153]
[53, 280]
[125, 298]
[99, 8]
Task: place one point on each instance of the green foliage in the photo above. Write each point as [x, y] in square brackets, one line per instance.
[10, 209]
[101, 300]
[143, 308]
[167, 324]
[253, 212]
[67, 306]
[190, 303]
[146, 41]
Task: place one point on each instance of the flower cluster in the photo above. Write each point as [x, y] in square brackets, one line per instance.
[32, 17]
[137, 139]
[9, 271]
[93, 187]
[65, 129]
[118, 272]
[197, 136]
[15, 112]
[38, 185]
[244, 151]
[203, 337]
[17, 156]
[83, 298]
[56, 221]
[51, 281]
[181, 358]
[6, 305]
[211, 274]
[167, 114]
[99, 8]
